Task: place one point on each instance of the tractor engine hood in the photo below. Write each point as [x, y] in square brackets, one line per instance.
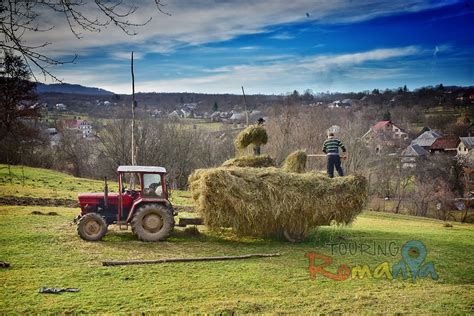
[97, 198]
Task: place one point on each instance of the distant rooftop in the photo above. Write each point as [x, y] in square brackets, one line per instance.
[468, 142]
[445, 142]
[380, 124]
[414, 150]
[426, 139]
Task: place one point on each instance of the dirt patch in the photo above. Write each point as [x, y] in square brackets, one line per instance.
[4, 265]
[28, 201]
[41, 213]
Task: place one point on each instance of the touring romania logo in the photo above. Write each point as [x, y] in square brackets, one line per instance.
[412, 263]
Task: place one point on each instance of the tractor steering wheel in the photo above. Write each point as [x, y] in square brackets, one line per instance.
[128, 191]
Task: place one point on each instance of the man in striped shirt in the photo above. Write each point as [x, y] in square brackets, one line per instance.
[331, 149]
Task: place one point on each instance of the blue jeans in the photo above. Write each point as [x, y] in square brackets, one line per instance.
[334, 161]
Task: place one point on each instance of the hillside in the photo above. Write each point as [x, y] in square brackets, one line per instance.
[70, 88]
[42, 247]
[100, 102]
[37, 183]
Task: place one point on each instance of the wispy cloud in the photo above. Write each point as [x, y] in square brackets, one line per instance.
[249, 48]
[442, 48]
[126, 55]
[282, 76]
[271, 46]
[282, 36]
[206, 21]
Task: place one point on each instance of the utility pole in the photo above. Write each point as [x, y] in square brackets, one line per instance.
[246, 111]
[133, 115]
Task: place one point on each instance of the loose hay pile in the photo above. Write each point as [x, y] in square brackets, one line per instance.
[296, 162]
[269, 201]
[250, 161]
[255, 135]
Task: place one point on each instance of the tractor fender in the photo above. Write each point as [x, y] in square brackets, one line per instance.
[139, 202]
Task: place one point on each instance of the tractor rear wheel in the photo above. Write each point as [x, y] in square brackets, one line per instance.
[153, 222]
[92, 227]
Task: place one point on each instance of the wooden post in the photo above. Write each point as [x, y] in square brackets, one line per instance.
[246, 111]
[133, 114]
[165, 260]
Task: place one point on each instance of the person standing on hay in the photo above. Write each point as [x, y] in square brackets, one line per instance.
[257, 148]
[331, 149]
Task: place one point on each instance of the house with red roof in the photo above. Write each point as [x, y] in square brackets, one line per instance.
[445, 144]
[388, 127]
[385, 135]
[82, 126]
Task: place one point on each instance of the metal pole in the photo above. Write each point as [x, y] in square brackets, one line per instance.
[133, 114]
[245, 103]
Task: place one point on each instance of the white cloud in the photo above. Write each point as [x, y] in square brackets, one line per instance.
[126, 55]
[248, 48]
[443, 48]
[204, 21]
[322, 71]
[282, 36]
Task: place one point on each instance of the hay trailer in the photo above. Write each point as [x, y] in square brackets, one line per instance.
[141, 202]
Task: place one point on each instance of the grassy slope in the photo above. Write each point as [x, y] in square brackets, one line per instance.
[42, 183]
[46, 251]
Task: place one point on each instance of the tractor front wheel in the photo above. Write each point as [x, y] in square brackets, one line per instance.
[92, 227]
[153, 222]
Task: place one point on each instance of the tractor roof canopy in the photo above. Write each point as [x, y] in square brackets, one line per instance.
[145, 169]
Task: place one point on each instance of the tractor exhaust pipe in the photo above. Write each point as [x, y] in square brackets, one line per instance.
[106, 194]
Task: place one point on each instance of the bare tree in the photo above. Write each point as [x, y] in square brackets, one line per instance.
[435, 182]
[75, 153]
[21, 17]
[403, 181]
[159, 142]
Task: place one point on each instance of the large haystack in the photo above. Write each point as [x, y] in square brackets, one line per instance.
[296, 162]
[255, 135]
[250, 161]
[269, 201]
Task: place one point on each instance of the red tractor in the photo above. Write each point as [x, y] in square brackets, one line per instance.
[142, 203]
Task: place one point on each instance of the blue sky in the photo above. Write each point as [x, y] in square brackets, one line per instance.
[274, 47]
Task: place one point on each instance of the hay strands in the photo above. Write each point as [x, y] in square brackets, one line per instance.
[165, 260]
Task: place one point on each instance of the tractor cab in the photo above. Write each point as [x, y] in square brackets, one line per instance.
[141, 202]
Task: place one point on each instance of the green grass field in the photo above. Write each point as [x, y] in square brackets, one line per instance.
[42, 183]
[45, 251]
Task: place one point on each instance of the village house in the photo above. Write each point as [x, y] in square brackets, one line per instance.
[385, 136]
[426, 139]
[53, 135]
[238, 117]
[61, 107]
[338, 103]
[82, 126]
[241, 117]
[445, 144]
[156, 114]
[412, 154]
[465, 145]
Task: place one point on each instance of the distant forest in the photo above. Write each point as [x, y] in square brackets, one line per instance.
[101, 104]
